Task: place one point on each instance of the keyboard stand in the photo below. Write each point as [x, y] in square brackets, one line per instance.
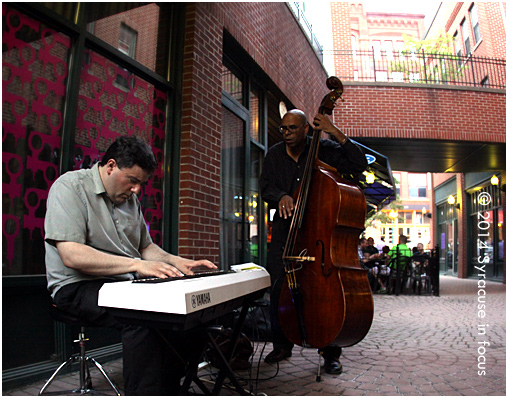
[225, 370]
[197, 321]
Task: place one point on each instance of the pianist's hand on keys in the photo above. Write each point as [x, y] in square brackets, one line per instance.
[197, 274]
[156, 262]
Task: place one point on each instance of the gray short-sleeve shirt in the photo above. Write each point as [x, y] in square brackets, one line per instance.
[78, 210]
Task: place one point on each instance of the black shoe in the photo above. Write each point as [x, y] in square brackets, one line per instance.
[333, 367]
[278, 355]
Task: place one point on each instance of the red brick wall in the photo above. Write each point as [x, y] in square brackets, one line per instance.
[341, 31]
[490, 18]
[430, 113]
[201, 140]
[485, 47]
[274, 40]
[497, 28]
[440, 178]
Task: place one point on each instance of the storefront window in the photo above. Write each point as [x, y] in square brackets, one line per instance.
[243, 232]
[59, 115]
[255, 203]
[34, 73]
[107, 110]
[232, 200]
[66, 10]
[112, 101]
[499, 233]
[448, 238]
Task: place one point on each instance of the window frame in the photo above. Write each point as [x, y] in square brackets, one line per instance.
[473, 15]
[465, 36]
[241, 109]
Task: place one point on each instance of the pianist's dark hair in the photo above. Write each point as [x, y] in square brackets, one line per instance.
[130, 151]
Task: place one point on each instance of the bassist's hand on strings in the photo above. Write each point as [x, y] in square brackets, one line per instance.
[286, 206]
[323, 123]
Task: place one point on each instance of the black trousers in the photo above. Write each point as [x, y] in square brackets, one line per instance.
[150, 365]
[279, 339]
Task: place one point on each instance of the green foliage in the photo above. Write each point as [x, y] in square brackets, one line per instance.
[441, 45]
[427, 61]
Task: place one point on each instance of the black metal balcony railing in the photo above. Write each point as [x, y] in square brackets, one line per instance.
[307, 27]
[425, 68]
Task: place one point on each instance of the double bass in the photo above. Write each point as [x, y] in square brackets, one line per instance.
[326, 296]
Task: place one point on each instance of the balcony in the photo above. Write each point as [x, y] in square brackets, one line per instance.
[306, 26]
[419, 67]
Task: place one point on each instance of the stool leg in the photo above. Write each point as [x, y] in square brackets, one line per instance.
[63, 365]
[85, 380]
[99, 366]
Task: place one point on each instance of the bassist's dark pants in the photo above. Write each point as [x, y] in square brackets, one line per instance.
[279, 340]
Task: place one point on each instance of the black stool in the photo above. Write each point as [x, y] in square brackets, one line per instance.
[85, 380]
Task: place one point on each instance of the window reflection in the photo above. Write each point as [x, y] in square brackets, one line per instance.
[255, 203]
[232, 84]
[254, 114]
[232, 201]
[131, 28]
[34, 73]
[107, 110]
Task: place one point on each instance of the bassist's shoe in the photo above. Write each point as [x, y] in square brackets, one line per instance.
[333, 367]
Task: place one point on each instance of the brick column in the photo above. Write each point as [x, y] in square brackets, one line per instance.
[341, 28]
[201, 139]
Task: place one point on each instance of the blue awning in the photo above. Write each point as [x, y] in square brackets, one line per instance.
[382, 191]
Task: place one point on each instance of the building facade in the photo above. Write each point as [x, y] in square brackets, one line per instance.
[201, 82]
[470, 207]
[417, 107]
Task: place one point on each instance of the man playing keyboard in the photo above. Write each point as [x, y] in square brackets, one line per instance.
[95, 233]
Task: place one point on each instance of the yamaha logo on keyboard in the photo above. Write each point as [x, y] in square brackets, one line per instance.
[198, 300]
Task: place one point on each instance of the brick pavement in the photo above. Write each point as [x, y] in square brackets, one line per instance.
[417, 345]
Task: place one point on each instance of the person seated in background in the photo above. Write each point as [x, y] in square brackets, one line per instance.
[382, 271]
[368, 256]
[400, 255]
[420, 263]
[370, 248]
[401, 248]
[420, 251]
